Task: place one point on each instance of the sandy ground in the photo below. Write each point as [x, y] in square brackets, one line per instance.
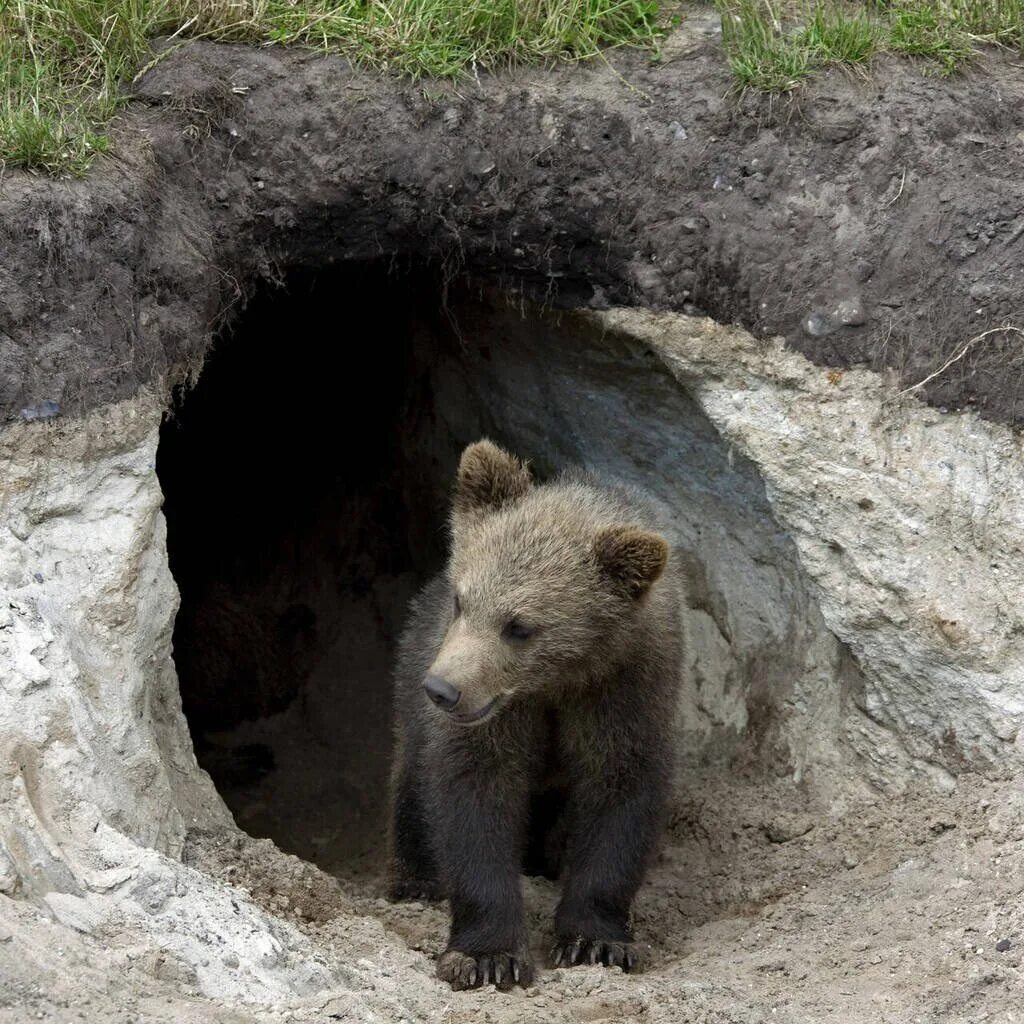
[761, 907]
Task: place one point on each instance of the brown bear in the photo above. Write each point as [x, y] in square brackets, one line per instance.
[536, 691]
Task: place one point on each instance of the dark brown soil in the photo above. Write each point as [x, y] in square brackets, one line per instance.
[896, 200]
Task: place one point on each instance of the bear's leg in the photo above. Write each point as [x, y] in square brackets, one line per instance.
[413, 875]
[615, 815]
[478, 805]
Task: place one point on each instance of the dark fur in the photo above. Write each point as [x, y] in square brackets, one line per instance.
[571, 775]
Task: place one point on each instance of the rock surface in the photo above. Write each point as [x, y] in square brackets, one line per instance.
[873, 541]
[909, 523]
[96, 757]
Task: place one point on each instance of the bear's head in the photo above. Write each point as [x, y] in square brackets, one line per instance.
[546, 585]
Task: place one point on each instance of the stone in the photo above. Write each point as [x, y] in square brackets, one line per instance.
[818, 323]
[786, 828]
[74, 911]
[945, 493]
[43, 411]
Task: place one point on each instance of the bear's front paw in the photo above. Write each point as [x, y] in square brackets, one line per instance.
[579, 950]
[503, 970]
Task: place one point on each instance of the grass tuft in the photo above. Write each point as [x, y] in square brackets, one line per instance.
[836, 36]
[773, 48]
[760, 56]
[925, 30]
[767, 54]
[937, 27]
[65, 64]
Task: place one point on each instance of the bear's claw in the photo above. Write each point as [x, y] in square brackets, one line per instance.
[570, 952]
[503, 970]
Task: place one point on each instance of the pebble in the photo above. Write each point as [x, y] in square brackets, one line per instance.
[848, 312]
[818, 324]
[43, 411]
[1002, 945]
[786, 828]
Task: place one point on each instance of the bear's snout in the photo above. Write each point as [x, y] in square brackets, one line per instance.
[441, 692]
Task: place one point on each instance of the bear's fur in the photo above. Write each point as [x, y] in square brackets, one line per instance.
[558, 621]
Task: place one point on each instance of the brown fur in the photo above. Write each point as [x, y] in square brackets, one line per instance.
[558, 621]
[488, 478]
[634, 557]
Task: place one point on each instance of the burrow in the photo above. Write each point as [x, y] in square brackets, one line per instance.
[306, 478]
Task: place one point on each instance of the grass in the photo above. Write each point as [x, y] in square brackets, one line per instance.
[760, 55]
[833, 36]
[772, 46]
[922, 31]
[65, 64]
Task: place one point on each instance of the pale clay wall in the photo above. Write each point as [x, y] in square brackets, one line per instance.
[90, 722]
[907, 523]
[98, 782]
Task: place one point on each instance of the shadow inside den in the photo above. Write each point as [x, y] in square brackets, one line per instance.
[307, 477]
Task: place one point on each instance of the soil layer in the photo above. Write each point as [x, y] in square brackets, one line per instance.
[871, 221]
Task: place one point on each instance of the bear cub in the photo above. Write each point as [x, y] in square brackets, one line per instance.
[537, 684]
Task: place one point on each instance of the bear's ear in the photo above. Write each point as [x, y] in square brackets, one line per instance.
[488, 478]
[633, 557]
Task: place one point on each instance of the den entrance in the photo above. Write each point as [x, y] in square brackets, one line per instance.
[306, 478]
[305, 505]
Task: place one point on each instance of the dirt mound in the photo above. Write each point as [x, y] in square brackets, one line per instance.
[855, 604]
[763, 905]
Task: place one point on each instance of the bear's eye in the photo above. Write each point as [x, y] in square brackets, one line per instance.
[457, 606]
[517, 630]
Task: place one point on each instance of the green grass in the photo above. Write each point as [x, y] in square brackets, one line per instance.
[834, 36]
[65, 65]
[770, 50]
[923, 30]
[760, 55]
[772, 46]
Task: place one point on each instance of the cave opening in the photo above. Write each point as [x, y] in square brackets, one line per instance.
[304, 508]
[306, 479]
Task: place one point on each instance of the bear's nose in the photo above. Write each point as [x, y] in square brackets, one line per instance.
[441, 692]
